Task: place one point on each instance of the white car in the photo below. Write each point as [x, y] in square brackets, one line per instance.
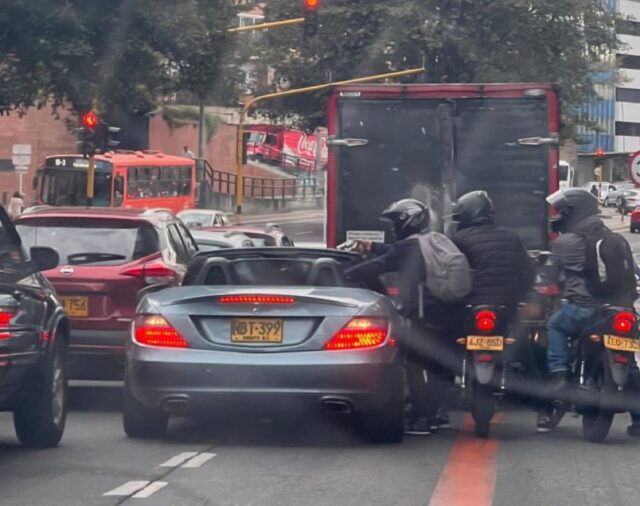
[196, 218]
[602, 188]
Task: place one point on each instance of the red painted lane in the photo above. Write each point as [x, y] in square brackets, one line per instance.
[469, 476]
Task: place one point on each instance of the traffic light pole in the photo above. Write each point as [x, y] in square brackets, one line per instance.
[91, 176]
[296, 91]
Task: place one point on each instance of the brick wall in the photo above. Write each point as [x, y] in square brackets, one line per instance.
[46, 135]
[49, 136]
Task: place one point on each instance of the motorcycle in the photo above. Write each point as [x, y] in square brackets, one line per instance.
[484, 371]
[601, 360]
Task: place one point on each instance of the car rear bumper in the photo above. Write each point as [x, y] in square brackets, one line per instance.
[97, 354]
[193, 380]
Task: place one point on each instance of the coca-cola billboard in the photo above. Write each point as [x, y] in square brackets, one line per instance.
[287, 148]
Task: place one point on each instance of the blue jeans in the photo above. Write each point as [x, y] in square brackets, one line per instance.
[566, 322]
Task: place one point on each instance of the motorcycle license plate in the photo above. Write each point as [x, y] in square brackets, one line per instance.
[621, 343]
[485, 343]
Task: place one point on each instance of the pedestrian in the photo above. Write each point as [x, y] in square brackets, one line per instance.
[622, 206]
[594, 191]
[187, 152]
[16, 205]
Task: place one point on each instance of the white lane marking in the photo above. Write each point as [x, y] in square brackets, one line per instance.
[152, 488]
[178, 460]
[198, 461]
[303, 233]
[128, 488]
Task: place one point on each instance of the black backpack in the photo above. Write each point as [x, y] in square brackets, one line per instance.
[609, 267]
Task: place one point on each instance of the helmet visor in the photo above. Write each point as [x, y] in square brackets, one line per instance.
[558, 200]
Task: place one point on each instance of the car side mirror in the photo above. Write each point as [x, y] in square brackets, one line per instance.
[43, 258]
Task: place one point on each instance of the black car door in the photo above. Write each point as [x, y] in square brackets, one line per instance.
[23, 307]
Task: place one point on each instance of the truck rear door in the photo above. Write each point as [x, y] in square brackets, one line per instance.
[407, 155]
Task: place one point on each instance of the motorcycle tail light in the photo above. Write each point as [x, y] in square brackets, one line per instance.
[624, 322]
[621, 359]
[485, 320]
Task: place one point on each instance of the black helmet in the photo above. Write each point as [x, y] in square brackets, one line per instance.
[408, 216]
[473, 208]
[573, 206]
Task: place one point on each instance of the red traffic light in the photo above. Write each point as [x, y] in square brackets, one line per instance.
[90, 120]
[311, 5]
[599, 152]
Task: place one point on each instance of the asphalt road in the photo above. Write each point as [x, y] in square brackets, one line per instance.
[245, 460]
[302, 226]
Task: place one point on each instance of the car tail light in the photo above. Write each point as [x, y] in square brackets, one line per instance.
[255, 299]
[485, 320]
[624, 322]
[153, 273]
[156, 331]
[5, 320]
[360, 333]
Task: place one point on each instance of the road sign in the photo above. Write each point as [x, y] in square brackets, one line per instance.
[634, 168]
[21, 155]
[21, 168]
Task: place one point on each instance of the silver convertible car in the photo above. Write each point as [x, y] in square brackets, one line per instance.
[256, 327]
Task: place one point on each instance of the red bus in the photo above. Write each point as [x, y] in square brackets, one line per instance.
[122, 179]
[435, 143]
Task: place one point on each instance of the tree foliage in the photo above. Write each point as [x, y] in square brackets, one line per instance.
[118, 55]
[568, 43]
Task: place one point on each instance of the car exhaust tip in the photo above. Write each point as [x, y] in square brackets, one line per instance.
[338, 406]
[175, 404]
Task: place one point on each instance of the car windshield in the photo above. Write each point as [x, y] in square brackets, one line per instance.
[88, 241]
[200, 219]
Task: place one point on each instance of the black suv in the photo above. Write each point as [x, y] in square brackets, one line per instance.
[34, 332]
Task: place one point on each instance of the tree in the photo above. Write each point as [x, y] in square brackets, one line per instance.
[566, 42]
[60, 52]
[193, 38]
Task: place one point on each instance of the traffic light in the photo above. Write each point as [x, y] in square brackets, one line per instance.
[599, 153]
[108, 137]
[311, 22]
[88, 135]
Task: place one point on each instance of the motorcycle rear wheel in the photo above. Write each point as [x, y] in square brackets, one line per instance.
[483, 407]
[596, 421]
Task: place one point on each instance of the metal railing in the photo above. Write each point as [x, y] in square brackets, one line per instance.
[259, 187]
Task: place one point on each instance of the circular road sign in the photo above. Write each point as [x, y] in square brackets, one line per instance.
[634, 168]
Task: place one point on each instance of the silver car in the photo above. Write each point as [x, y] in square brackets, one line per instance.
[257, 327]
[615, 190]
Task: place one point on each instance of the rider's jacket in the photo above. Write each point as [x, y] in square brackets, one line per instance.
[566, 263]
[403, 257]
[502, 270]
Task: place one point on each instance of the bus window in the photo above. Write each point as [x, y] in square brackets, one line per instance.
[69, 188]
[158, 182]
[118, 191]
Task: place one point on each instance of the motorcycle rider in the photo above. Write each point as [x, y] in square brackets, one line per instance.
[422, 353]
[577, 217]
[503, 273]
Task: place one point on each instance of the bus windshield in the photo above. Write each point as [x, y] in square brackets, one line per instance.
[69, 188]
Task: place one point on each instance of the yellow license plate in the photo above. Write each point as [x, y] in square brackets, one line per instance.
[485, 343]
[252, 330]
[621, 343]
[76, 306]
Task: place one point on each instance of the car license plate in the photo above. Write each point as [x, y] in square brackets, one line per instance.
[621, 343]
[252, 330]
[76, 306]
[485, 343]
